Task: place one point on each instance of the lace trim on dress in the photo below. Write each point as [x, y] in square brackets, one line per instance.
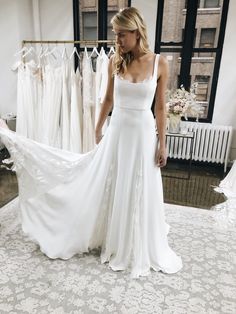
[44, 168]
[102, 223]
[136, 247]
[143, 81]
[105, 253]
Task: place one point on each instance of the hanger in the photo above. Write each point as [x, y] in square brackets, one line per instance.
[94, 50]
[75, 51]
[51, 52]
[86, 52]
[64, 53]
[112, 50]
[102, 51]
[30, 51]
[42, 52]
[24, 49]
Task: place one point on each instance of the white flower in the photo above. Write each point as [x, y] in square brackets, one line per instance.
[183, 102]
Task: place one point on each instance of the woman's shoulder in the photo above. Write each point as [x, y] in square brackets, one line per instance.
[162, 66]
[162, 60]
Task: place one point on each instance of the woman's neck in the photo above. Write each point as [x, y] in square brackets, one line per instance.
[137, 53]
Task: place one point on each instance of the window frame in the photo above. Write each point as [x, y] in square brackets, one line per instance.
[187, 49]
[102, 23]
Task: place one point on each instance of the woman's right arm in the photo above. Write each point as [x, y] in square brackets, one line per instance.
[107, 102]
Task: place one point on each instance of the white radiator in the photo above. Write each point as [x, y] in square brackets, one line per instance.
[211, 143]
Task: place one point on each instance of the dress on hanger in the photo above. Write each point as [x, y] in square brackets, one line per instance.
[65, 105]
[76, 118]
[88, 103]
[26, 98]
[51, 105]
[101, 84]
[109, 198]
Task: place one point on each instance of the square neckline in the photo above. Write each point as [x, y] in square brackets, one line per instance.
[150, 78]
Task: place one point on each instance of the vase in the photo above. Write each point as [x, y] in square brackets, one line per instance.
[174, 123]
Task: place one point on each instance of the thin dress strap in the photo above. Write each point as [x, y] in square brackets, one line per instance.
[155, 70]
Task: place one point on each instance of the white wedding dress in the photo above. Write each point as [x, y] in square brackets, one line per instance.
[110, 197]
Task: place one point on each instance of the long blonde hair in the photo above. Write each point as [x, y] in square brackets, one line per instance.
[129, 19]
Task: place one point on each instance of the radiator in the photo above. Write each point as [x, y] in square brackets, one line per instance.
[211, 143]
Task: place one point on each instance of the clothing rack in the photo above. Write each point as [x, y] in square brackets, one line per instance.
[92, 42]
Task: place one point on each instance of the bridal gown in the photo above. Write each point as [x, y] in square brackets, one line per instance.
[109, 198]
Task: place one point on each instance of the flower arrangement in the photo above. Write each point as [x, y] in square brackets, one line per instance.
[183, 103]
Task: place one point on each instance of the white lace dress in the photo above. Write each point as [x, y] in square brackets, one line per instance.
[110, 198]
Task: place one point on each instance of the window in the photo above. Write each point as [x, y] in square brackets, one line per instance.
[207, 38]
[202, 88]
[92, 21]
[211, 3]
[110, 34]
[192, 40]
[89, 25]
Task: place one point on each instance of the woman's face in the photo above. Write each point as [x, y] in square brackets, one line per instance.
[126, 40]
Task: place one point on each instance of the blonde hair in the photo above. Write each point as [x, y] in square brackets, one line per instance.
[129, 19]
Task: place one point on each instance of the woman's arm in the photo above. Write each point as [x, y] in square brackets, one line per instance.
[107, 103]
[160, 110]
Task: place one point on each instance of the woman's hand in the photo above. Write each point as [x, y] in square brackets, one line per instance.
[98, 136]
[160, 157]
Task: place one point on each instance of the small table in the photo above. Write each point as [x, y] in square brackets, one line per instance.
[180, 145]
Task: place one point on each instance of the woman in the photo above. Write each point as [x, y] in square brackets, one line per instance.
[110, 198]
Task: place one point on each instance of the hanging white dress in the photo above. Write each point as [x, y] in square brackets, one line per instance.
[88, 103]
[76, 118]
[26, 98]
[51, 109]
[101, 84]
[98, 80]
[39, 122]
[65, 106]
[110, 198]
[21, 126]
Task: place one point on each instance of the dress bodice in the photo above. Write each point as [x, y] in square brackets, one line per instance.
[135, 96]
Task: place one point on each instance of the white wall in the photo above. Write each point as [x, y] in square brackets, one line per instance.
[20, 19]
[225, 103]
[56, 17]
[15, 24]
[149, 10]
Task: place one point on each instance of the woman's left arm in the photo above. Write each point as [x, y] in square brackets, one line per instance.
[160, 111]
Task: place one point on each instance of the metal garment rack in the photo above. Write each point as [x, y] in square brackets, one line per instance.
[76, 42]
